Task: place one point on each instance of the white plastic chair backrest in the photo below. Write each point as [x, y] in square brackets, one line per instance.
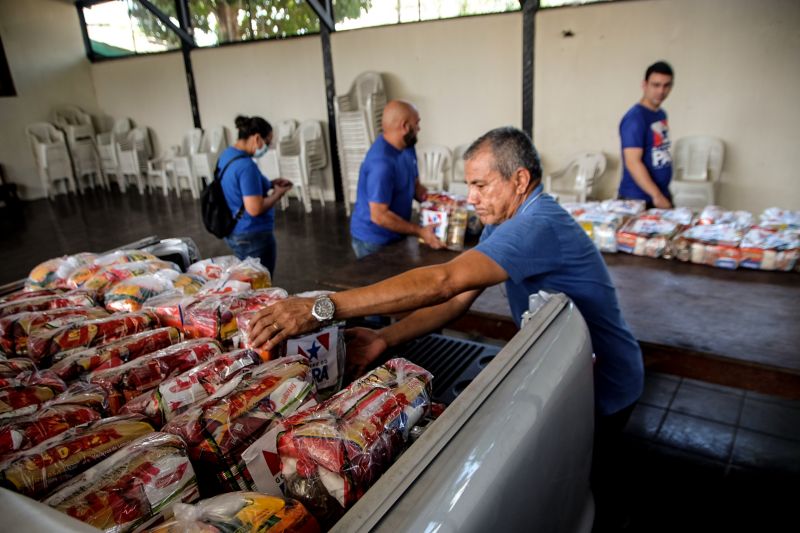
[313, 144]
[457, 174]
[43, 133]
[433, 162]
[366, 84]
[214, 141]
[286, 129]
[121, 127]
[190, 144]
[698, 158]
[72, 116]
[589, 167]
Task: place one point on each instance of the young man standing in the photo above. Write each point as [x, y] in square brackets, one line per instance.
[644, 132]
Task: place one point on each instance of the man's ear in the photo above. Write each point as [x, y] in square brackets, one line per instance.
[522, 178]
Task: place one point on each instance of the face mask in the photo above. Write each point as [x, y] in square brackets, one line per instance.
[261, 151]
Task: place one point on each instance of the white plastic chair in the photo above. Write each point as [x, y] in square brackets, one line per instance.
[212, 144]
[179, 166]
[697, 168]
[51, 155]
[315, 156]
[107, 148]
[433, 163]
[291, 163]
[79, 130]
[577, 179]
[457, 183]
[134, 151]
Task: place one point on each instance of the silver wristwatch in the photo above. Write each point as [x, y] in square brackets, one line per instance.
[323, 309]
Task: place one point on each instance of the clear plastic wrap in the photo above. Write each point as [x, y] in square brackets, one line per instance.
[715, 245]
[129, 295]
[131, 489]
[175, 395]
[241, 512]
[766, 249]
[54, 273]
[332, 453]
[777, 218]
[140, 375]
[15, 329]
[81, 275]
[646, 236]
[25, 432]
[624, 207]
[108, 276]
[184, 283]
[220, 428]
[215, 315]
[169, 307]
[213, 267]
[42, 303]
[45, 342]
[25, 294]
[115, 353]
[36, 471]
[24, 393]
[10, 368]
[86, 394]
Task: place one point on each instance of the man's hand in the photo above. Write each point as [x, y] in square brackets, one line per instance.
[282, 320]
[662, 202]
[283, 183]
[364, 346]
[426, 234]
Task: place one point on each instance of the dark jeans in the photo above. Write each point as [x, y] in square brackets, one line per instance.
[364, 248]
[260, 244]
[610, 478]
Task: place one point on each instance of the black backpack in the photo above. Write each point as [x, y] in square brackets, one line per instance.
[216, 213]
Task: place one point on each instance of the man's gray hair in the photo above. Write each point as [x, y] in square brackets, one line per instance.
[511, 148]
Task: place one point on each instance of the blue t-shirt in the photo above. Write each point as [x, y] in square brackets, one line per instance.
[542, 247]
[242, 178]
[648, 130]
[387, 176]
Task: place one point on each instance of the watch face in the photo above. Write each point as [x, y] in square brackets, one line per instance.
[323, 308]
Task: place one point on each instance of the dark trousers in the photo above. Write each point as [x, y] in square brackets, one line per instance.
[609, 477]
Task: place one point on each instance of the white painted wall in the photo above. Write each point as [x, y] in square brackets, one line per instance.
[737, 73]
[44, 49]
[736, 64]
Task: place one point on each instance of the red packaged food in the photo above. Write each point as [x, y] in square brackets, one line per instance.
[169, 307]
[81, 275]
[140, 375]
[86, 394]
[23, 394]
[25, 294]
[10, 368]
[105, 278]
[215, 316]
[175, 395]
[133, 488]
[213, 267]
[15, 329]
[28, 431]
[129, 295]
[54, 273]
[36, 471]
[219, 429]
[115, 353]
[45, 342]
[43, 303]
[332, 453]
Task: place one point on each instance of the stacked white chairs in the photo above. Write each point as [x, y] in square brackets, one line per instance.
[575, 181]
[433, 163]
[291, 164]
[213, 142]
[51, 155]
[79, 130]
[107, 148]
[179, 165]
[134, 150]
[457, 184]
[697, 167]
[315, 156]
[358, 124]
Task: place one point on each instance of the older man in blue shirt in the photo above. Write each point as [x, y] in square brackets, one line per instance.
[530, 243]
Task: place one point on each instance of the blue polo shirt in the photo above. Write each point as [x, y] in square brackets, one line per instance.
[648, 130]
[242, 178]
[387, 176]
[542, 247]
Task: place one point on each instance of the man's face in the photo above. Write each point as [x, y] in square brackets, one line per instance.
[495, 199]
[410, 137]
[656, 89]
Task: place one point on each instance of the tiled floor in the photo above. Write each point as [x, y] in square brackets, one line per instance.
[710, 456]
[702, 457]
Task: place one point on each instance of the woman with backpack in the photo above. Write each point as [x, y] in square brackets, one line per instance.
[246, 192]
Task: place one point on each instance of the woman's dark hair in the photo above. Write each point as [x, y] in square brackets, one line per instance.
[248, 126]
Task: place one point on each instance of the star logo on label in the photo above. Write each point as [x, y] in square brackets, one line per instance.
[313, 351]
